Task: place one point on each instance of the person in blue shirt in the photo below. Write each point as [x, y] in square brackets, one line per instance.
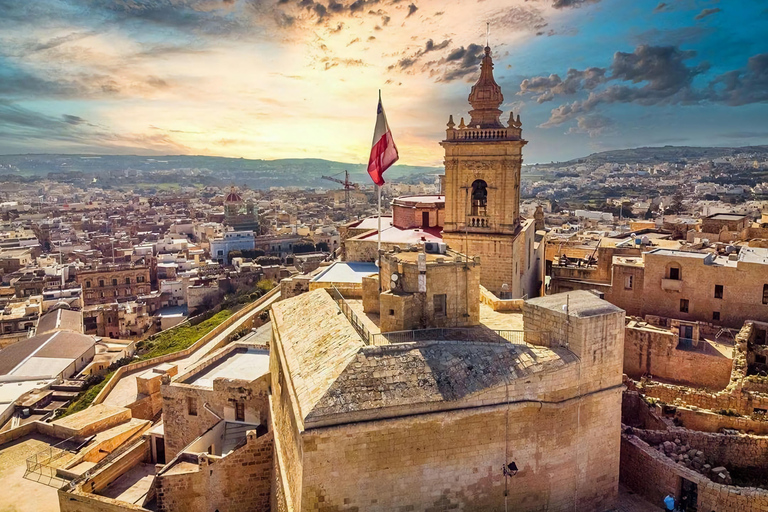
[669, 502]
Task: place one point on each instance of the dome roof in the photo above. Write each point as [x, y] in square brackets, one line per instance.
[233, 197]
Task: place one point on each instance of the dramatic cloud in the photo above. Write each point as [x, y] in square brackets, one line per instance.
[550, 86]
[409, 61]
[707, 12]
[743, 86]
[661, 7]
[662, 71]
[411, 9]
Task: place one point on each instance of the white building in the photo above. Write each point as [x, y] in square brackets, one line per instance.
[231, 241]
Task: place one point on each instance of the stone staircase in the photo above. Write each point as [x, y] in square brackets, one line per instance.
[234, 435]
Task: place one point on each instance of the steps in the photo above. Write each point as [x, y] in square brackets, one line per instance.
[234, 435]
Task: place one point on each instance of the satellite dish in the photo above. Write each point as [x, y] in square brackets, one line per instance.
[395, 277]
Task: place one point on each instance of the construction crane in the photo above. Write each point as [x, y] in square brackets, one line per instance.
[348, 185]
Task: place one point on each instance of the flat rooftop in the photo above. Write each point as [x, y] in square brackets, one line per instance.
[249, 364]
[726, 216]
[425, 200]
[393, 234]
[346, 272]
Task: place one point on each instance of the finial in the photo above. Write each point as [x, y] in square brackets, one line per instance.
[518, 123]
[511, 122]
[461, 124]
[451, 124]
[488, 34]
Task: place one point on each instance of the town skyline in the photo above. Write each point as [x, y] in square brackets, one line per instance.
[270, 80]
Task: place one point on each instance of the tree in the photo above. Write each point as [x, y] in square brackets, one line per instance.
[265, 285]
[268, 260]
[323, 247]
[303, 247]
[234, 254]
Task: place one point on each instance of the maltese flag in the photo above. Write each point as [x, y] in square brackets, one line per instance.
[384, 151]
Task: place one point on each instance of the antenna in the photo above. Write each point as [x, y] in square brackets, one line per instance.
[488, 34]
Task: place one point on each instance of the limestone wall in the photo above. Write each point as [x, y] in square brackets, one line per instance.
[654, 352]
[653, 475]
[567, 454]
[285, 424]
[731, 451]
[239, 482]
[181, 428]
[707, 421]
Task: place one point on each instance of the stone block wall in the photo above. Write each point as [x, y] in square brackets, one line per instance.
[654, 352]
[731, 451]
[706, 421]
[567, 454]
[181, 428]
[653, 475]
[238, 482]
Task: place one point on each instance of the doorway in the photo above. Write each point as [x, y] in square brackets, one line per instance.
[160, 450]
[425, 219]
[689, 495]
[686, 331]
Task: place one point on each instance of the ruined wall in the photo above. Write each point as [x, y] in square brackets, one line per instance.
[653, 475]
[654, 352]
[742, 403]
[567, 454]
[239, 482]
[731, 451]
[707, 421]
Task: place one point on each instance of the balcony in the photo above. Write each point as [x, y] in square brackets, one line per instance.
[672, 285]
[478, 221]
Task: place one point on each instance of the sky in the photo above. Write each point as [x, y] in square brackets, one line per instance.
[300, 78]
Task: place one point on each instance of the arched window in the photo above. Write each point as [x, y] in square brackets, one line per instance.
[479, 197]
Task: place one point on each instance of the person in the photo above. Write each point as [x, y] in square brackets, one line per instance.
[669, 502]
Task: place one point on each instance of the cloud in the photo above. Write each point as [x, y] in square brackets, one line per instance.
[547, 87]
[411, 10]
[561, 4]
[661, 7]
[592, 125]
[660, 71]
[408, 61]
[518, 18]
[743, 86]
[58, 41]
[461, 62]
[73, 119]
[707, 12]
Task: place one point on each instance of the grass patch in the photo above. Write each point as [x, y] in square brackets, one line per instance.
[166, 342]
[87, 397]
[173, 340]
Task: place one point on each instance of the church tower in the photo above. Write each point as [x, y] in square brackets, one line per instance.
[482, 192]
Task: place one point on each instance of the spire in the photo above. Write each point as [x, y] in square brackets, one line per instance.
[485, 97]
[451, 124]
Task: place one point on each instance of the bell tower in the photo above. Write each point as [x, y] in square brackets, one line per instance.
[482, 187]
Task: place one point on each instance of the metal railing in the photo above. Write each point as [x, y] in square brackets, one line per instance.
[480, 334]
[346, 309]
[43, 464]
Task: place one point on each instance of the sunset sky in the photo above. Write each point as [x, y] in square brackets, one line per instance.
[300, 78]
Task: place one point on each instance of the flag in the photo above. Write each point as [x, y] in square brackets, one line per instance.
[384, 151]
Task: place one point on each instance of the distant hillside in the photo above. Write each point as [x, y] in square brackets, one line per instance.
[207, 169]
[657, 155]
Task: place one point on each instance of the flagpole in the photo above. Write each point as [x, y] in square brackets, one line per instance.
[378, 246]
